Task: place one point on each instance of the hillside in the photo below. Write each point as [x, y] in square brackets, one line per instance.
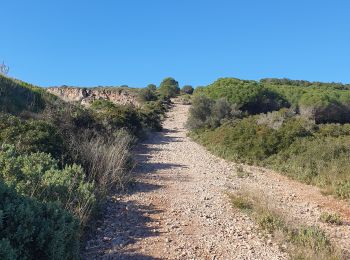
[59, 161]
[299, 129]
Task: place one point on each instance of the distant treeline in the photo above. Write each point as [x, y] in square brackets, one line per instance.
[304, 83]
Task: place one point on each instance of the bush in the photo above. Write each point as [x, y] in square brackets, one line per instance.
[221, 110]
[152, 87]
[108, 162]
[34, 230]
[241, 202]
[311, 237]
[114, 117]
[147, 94]
[319, 161]
[331, 218]
[151, 117]
[199, 112]
[31, 136]
[322, 103]
[206, 112]
[169, 88]
[37, 176]
[187, 89]
[246, 95]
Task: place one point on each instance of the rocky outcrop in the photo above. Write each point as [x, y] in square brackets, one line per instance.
[86, 96]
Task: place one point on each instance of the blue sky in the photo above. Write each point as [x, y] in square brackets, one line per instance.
[136, 42]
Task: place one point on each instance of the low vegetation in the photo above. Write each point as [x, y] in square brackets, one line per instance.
[301, 242]
[331, 218]
[298, 128]
[187, 89]
[58, 163]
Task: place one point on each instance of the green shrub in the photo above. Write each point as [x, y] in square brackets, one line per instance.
[151, 118]
[247, 140]
[247, 95]
[169, 87]
[147, 94]
[311, 237]
[37, 175]
[114, 117]
[185, 99]
[206, 112]
[319, 161]
[34, 230]
[269, 221]
[30, 136]
[241, 202]
[220, 111]
[333, 130]
[187, 89]
[320, 102]
[199, 112]
[152, 87]
[331, 218]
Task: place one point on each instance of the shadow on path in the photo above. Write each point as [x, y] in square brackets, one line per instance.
[126, 222]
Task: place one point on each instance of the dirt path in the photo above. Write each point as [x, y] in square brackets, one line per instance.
[178, 208]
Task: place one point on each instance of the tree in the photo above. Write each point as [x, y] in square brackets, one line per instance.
[188, 89]
[152, 87]
[148, 93]
[169, 87]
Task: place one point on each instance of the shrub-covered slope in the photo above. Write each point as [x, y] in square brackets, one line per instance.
[58, 162]
[306, 136]
[323, 102]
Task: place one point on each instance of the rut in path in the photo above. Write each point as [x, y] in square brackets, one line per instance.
[178, 209]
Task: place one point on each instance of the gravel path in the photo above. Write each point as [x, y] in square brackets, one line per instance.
[178, 209]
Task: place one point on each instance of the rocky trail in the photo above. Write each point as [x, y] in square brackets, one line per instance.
[178, 207]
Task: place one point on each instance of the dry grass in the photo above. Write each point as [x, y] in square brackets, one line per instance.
[108, 162]
[300, 242]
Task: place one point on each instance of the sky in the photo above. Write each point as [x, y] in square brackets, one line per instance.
[138, 42]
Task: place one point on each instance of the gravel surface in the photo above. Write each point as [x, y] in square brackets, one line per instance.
[178, 209]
